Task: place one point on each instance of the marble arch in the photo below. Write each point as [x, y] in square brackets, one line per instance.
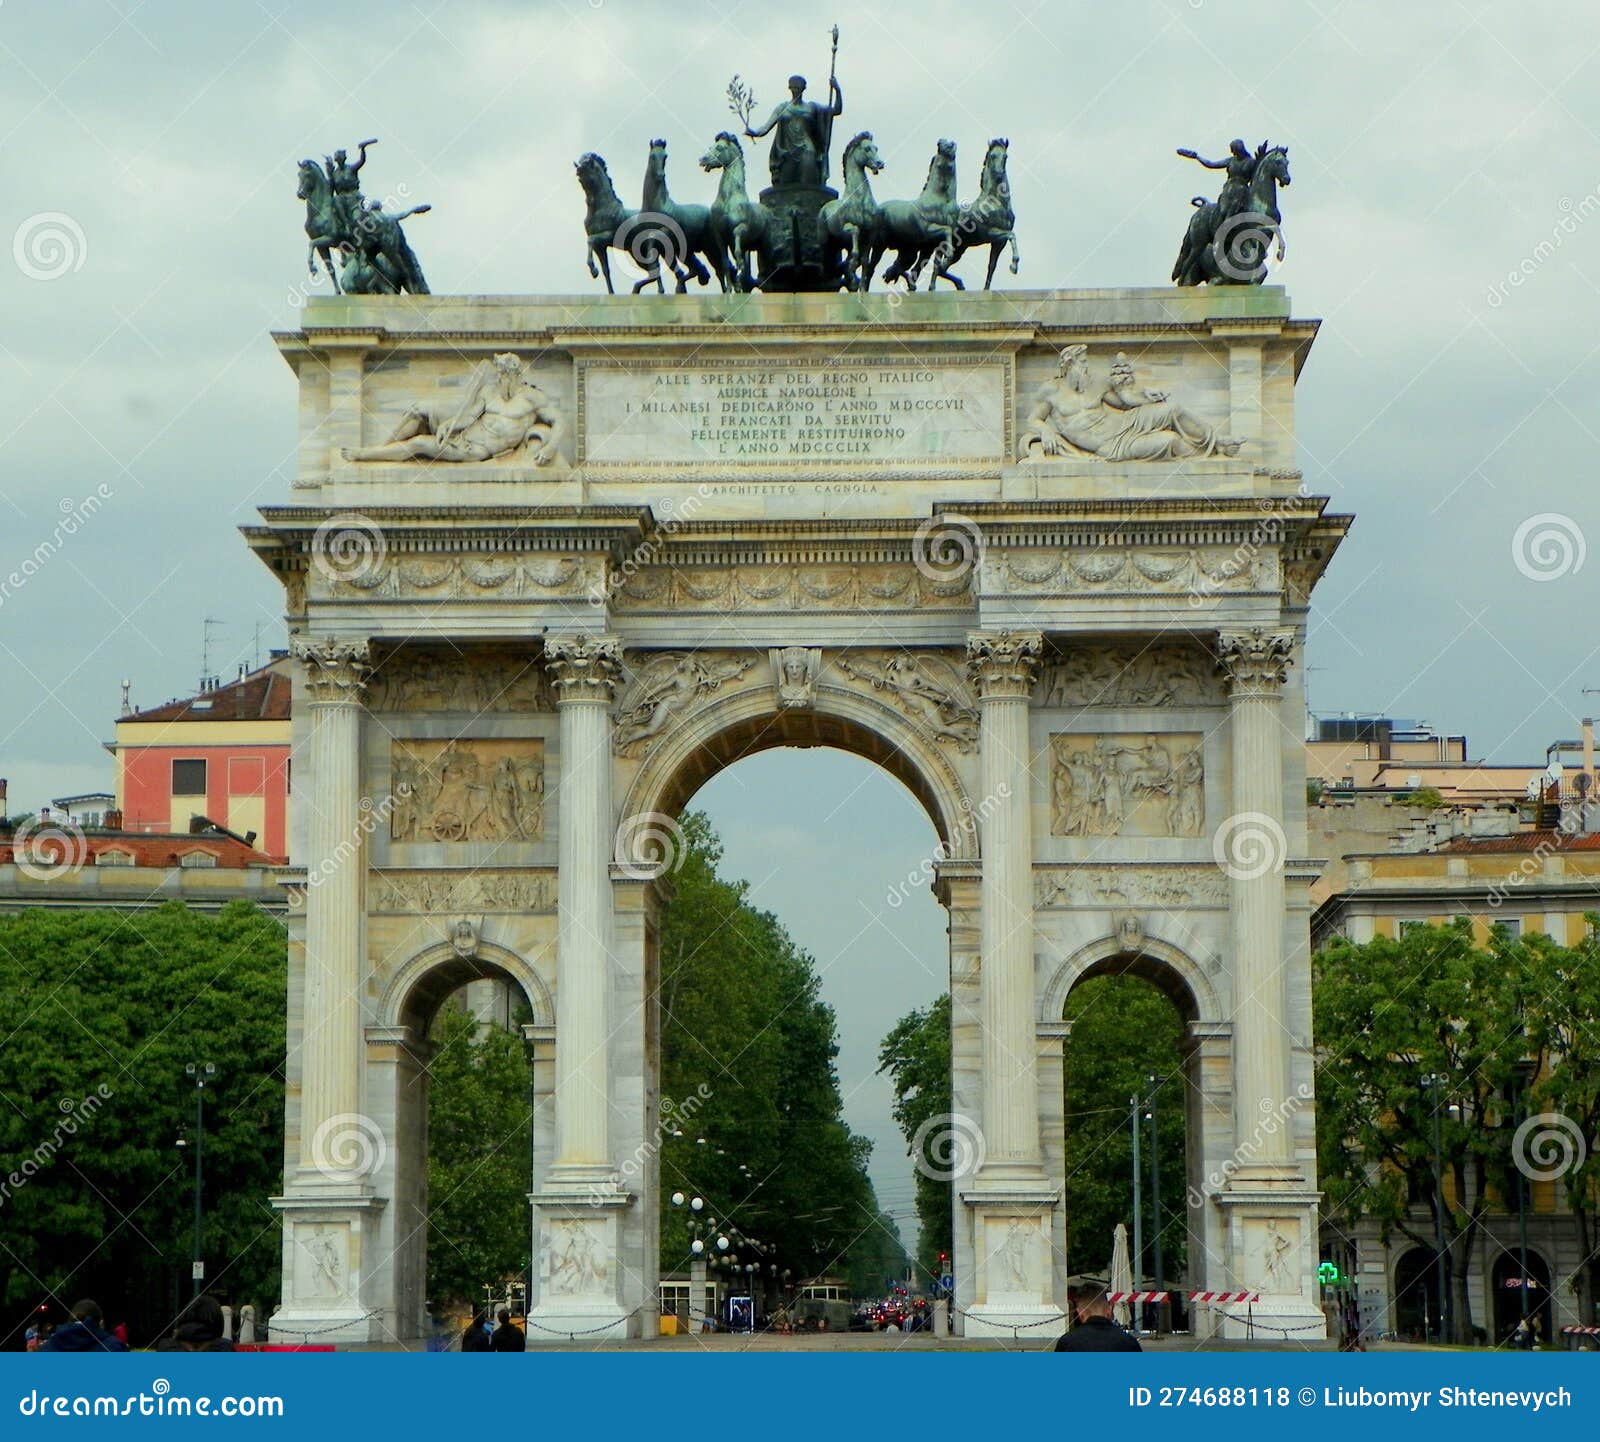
[797, 519]
[1167, 966]
[714, 735]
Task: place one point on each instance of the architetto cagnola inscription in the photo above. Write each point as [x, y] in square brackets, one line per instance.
[551, 563]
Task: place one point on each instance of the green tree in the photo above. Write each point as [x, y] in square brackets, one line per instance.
[748, 1052]
[105, 1009]
[1565, 1037]
[916, 1055]
[1124, 1031]
[479, 1230]
[1388, 1013]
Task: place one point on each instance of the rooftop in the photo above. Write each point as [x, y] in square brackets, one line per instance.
[262, 695]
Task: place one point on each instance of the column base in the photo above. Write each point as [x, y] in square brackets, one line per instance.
[1271, 1229]
[580, 1287]
[332, 1290]
[1017, 1323]
[1012, 1289]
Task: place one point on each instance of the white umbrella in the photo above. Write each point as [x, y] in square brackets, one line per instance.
[1121, 1273]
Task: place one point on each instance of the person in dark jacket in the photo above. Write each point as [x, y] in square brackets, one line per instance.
[1096, 1332]
[475, 1339]
[198, 1328]
[507, 1338]
[86, 1332]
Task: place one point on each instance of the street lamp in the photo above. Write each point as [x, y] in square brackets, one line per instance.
[1155, 1193]
[200, 1073]
[1434, 1082]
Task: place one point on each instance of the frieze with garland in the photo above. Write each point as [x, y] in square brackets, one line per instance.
[1059, 887]
[869, 586]
[481, 890]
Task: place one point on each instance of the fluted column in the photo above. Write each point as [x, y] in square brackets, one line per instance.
[1002, 666]
[330, 1087]
[584, 671]
[1252, 849]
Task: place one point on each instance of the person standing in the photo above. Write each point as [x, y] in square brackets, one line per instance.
[475, 1339]
[86, 1332]
[507, 1337]
[1096, 1332]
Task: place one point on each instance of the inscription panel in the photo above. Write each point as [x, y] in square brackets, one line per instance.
[877, 411]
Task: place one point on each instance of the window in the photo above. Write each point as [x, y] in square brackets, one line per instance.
[114, 858]
[1510, 925]
[188, 778]
[198, 858]
[1407, 927]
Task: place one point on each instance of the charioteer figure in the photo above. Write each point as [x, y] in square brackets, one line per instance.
[801, 132]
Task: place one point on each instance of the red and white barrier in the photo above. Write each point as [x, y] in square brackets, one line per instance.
[1224, 1296]
[1580, 1331]
[1136, 1297]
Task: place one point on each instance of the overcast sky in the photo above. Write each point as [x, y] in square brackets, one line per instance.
[1436, 151]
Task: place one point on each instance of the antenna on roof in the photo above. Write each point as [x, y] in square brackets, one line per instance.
[208, 682]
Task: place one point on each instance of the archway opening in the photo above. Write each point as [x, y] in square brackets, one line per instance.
[1130, 1098]
[1519, 1293]
[461, 1070]
[797, 927]
[1416, 1315]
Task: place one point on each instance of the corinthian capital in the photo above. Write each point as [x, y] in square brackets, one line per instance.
[583, 668]
[336, 668]
[1256, 662]
[1002, 664]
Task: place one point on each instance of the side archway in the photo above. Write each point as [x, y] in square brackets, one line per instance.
[412, 993]
[1167, 967]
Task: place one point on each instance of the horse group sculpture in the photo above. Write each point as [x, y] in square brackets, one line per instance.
[743, 243]
[374, 255]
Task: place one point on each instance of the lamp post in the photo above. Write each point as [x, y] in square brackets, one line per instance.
[1155, 1195]
[1138, 1180]
[1434, 1082]
[200, 1073]
[1525, 1070]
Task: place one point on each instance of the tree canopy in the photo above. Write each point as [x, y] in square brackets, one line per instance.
[105, 1009]
[1488, 1021]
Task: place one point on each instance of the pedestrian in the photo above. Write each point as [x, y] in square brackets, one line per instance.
[120, 1332]
[475, 1339]
[507, 1338]
[86, 1332]
[1096, 1332]
[198, 1328]
[39, 1329]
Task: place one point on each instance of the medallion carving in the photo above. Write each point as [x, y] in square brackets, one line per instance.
[1126, 785]
[1203, 570]
[465, 577]
[794, 672]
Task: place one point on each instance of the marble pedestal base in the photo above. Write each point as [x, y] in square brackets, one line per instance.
[1271, 1230]
[331, 1277]
[1013, 1285]
[578, 1292]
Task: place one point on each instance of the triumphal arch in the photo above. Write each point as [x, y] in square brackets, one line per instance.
[550, 563]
